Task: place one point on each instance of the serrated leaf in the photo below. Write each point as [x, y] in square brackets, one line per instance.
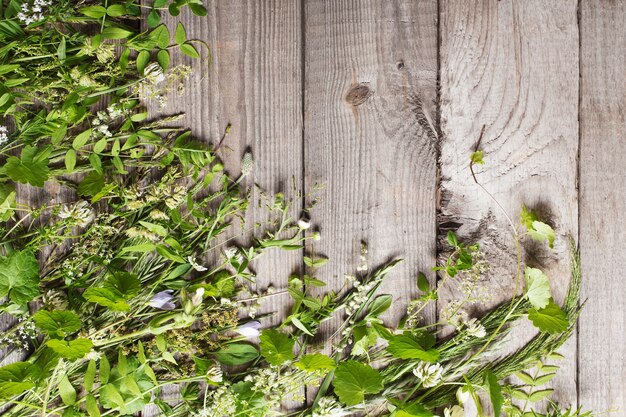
[537, 287]
[542, 232]
[414, 410]
[316, 362]
[67, 391]
[8, 201]
[72, 350]
[31, 167]
[19, 276]
[92, 184]
[407, 346]
[494, 390]
[276, 347]
[15, 379]
[57, 323]
[550, 319]
[107, 297]
[452, 240]
[353, 380]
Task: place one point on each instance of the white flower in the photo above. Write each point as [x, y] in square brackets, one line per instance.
[428, 374]
[154, 73]
[4, 137]
[454, 411]
[195, 264]
[215, 374]
[249, 329]
[93, 355]
[304, 224]
[196, 298]
[328, 407]
[163, 300]
[462, 395]
[80, 212]
[475, 329]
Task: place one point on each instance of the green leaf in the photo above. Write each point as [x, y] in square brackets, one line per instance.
[15, 379]
[181, 35]
[189, 50]
[82, 139]
[71, 350]
[107, 297]
[379, 305]
[494, 390]
[70, 160]
[407, 346]
[296, 322]
[353, 380]
[19, 277]
[276, 347]
[154, 228]
[123, 283]
[92, 184]
[90, 375]
[422, 283]
[105, 369]
[91, 405]
[8, 200]
[57, 323]
[413, 410]
[163, 58]
[452, 239]
[477, 157]
[550, 319]
[154, 18]
[315, 362]
[61, 50]
[527, 217]
[115, 33]
[94, 11]
[161, 35]
[145, 247]
[198, 9]
[525, 378]
[537, 287]
[31, 168]
[142, 60]
[541, 232]
[116, 10]
[315, 263]
[236, 354]
[67, 391]
[539, 395]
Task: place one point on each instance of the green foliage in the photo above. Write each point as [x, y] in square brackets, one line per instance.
[57, 323]
[494, 390]
[537, 287]
[276, 347]
[15, 379]
[354, 380]
[31, 167]
[315, 362]
[19, 276]
[549, 319]
[236, 354]
[73, 349]
[409, 346]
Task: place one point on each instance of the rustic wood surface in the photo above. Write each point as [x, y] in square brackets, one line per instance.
[602, 326]
[345, 93]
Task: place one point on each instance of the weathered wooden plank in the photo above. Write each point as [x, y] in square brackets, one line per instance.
[511, 67]
[254, 83]
[602, 326]
[370, 82]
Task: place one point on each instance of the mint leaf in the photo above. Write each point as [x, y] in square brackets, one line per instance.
[537, 287]
[19, 277]
[353, 380]
[31, 167]
[276, 347]
[494, 390]
[15, 379]
[57, 323]
[236, 354]
[550, 319]
[407, 346]
[316, 362]
[71, 350]
[107, 297]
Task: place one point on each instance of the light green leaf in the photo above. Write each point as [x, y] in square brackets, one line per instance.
[494, 390]
[163, 58]
[116, 10]
[407, 346]
[91, 405]
[276, 347]
[539, 395]
[550, 319]
[57, 323]
[67, 391]
[90, 375]
[413, 410]
[541, 232]
[107, 297]
[189, 50]
[537, 287]
[7, 201]
[477, 157]
[71, 350]
[115, 33]
[81, 139]
[70, 160]
[142, 60]
[316, 362]
[353, 380]
[296, 322]
[94, 11]
[15, 379]
[181, 35]
[315, 263]
[379, 305]
[31, 167]
[19, 277]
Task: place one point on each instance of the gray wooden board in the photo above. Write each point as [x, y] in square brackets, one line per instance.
[602, 326]
[511, 66]
[370, 89]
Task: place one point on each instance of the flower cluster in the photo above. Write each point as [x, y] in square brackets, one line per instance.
[328, 407]
[80, 213]
[428, 374]
[33, 12]
[4, 137]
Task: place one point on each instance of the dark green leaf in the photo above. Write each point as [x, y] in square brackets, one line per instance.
[494, 390]
[31, 168]
[57, 323]
[236, 354]
[92, 184]
[19, 276]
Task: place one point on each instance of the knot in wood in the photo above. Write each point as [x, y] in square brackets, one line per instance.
[358, 94]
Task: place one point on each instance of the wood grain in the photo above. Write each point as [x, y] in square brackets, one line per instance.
[511, 66]
[602, 326]
[252, 81]
[370, 89]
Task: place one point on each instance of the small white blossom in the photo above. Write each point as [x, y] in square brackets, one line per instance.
[462, 395]
[454, 411]
[196, 297]
[475, 329]
[195, 264]
[428, 374]
[81, 213]
[215, 375]
[304, 224]
[249, 329]
[93, 355]
[32, 13]
[4, 137]
[328, 407]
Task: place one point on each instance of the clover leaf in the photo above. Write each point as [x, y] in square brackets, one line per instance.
[19, 277]
[353, 380]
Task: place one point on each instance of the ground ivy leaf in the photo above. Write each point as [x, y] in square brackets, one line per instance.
[19, 277]
[550, 319]
[353, 380]
[542, 232]
[316, 362]
[71, 350]
[31, 167]
[276, 347]
[15, 379]
[495, 391]
[406, 346]
[57, 323]
[537, 287]
[107, 297]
